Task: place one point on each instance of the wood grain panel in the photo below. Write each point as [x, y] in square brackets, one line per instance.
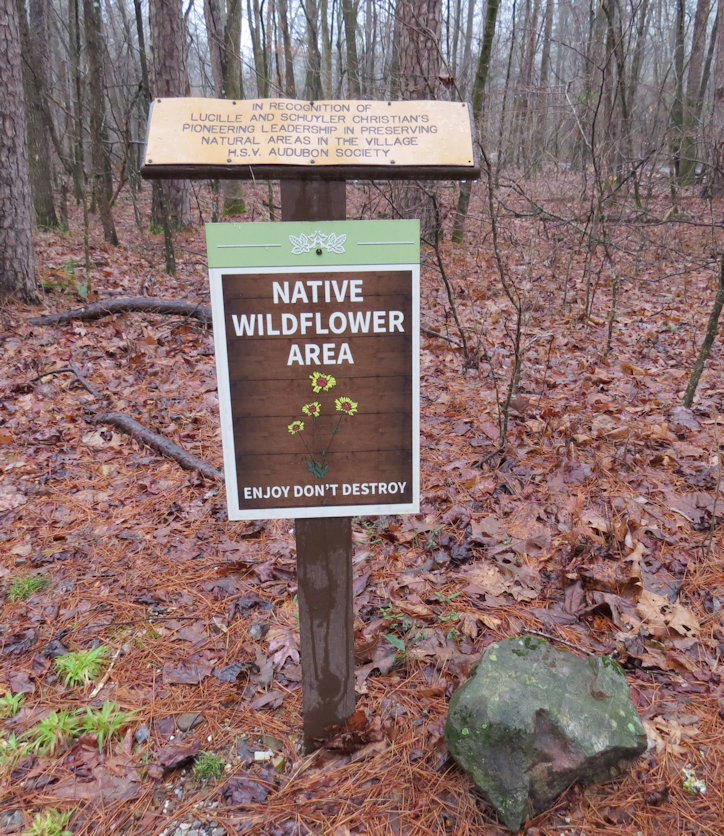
[372, 446]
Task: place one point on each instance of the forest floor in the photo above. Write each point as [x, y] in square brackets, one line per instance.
[599, 524]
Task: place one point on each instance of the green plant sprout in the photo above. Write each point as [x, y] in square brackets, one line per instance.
[209, 767]
[51, 823]
[396, 619]
[54, 733]
[25, 585]
[402, 646]
[105, 722]
[11, 749]
[82, 666]
[446, 599]
[10, 704]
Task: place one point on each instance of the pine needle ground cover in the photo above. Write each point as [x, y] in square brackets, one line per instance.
[599, 525]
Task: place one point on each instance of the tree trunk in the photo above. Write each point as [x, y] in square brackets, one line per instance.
[314, 58]
[17, 258]
[718, 110]
[541, 140]
[677, 108]
[96, 107]
[466, 71]
[481, 78]
[258, 42]
[419, 60]
[224, 36]
[349, 9]
[327, 81]
[170, 79]
[289, 84]
[41, 170]
[419, 68]
[687, 165]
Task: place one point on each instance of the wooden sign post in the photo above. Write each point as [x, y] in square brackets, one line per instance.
[317, 334]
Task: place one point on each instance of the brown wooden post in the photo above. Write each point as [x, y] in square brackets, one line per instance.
[324, 545]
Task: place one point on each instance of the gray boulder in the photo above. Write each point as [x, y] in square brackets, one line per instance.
[533, 719]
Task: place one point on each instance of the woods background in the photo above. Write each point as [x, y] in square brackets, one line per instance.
[622, 95]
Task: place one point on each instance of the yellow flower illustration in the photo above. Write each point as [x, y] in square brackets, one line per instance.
[346, 405]
[314, 409]
[296, 427]
[322, 382]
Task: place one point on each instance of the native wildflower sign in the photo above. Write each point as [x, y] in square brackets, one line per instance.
[316, 329]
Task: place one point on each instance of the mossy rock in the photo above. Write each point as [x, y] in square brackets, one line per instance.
[532, 719]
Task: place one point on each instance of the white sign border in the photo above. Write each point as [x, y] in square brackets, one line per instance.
[235, 513]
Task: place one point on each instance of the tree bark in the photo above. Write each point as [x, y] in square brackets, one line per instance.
[718, 111]
[687, 165]
[418, 78]
[705, 349]
[96, 107]
[349, 9]
[223, 25]
[17, 257]
[314, 90]
[169, 79]
[39, 159]
[289, 84]
[481, 78]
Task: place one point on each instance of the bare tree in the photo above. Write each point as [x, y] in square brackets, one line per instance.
[17, 257]
[718, 110]
[169, 79]
[102, 185]
[223, 23]
[34, 56]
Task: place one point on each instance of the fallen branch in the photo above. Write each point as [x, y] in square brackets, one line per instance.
[139, 304]
[440, 336]
[73, 368]
[159, 443]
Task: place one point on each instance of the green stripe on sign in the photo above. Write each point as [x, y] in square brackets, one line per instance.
[313, 243]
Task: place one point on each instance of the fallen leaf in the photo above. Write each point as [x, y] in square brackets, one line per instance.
[105, 789]
[10, 498]
[177, 754]
[185, 673]
[661, 617]
[239, 792]
[283, 644]
[271, 700]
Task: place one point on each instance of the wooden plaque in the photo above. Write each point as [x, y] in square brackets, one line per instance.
[286, 138]
[316, 327]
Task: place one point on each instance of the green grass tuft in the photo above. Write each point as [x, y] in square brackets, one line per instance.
[83, 666]
[51, 823]
[10, 705]
[54, 733]
[105, 722]
[209, 767]
[24, 586]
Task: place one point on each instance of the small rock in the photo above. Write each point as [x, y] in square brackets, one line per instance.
[188, 721]
[533, 719]
[142, 734]
[218, 831]
[12, 821]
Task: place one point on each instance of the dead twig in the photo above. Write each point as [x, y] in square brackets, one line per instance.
[160, 443]
[560, 641]
[83, 382]
[136, 304]
[73, 369]
[440, 336]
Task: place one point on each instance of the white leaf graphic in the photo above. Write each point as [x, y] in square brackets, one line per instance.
[335, 243]
[299, 245]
